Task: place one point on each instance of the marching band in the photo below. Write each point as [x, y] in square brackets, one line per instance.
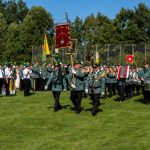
[93, 80]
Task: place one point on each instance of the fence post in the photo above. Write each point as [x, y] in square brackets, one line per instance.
[133, 52]
[85, 53]
[32, 55]
[120, 54]
[145, 52]
[108, 55]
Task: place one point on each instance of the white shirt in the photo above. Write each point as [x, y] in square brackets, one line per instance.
[1, 73]
[27, 73]
[8, 72]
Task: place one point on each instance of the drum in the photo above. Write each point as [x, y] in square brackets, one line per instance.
[136, 82]
[139, 82]
[128, 82]
[147, 85]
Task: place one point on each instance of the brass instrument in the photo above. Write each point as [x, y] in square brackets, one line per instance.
[86, 69]
[104, 74]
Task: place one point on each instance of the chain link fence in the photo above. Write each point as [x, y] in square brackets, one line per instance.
[113, 54]
[109, 54]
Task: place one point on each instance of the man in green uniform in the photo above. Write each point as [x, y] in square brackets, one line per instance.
[95, 86]
[77, 85]
[43, 75]
[57, 86]
[36, 76]
[145, 77]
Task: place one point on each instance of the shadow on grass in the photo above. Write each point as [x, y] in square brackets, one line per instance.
[32, 94]
[90, 109]
[62, 107]
[141, 100]
[117, 99]
[73, 108]
[66, 106]
[98, 104]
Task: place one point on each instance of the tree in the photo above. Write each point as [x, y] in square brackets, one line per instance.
[3, 27]
[133, 26]
[13, 47]
[15, 11]
[142, 20]
[77, 30]
[35, 24]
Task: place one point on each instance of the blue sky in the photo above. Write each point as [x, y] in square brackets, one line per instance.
[83, 8]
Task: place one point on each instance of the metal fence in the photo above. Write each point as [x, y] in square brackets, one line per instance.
[109, 54]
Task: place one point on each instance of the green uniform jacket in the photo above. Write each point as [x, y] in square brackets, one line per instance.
[43, 73]
[111, 78]
[79, 80]
[49, 71]
[95, 83]
[147, 74]
[56, 80]
[144, 73]
[21, 73]
[35, 72]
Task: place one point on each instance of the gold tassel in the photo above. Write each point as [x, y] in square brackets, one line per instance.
[10, 86]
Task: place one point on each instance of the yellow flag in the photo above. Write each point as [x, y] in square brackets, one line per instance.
[46, 47]
[97, 58]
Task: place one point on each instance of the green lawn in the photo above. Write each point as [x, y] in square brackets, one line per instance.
[29, 123]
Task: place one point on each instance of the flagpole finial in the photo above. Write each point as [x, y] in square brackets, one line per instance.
[67, 19]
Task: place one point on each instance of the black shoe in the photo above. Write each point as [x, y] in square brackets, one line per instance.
[55, 110]
[94, 113]
[77, 111]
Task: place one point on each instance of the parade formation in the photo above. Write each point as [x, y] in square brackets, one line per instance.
[80, 79]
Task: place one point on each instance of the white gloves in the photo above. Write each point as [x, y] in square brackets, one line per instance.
[46, 87]
[73, 86]
[64, 90]
[103, 93]
[86, 91]
[73, 71]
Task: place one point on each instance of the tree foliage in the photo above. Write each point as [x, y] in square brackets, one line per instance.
[21, 28]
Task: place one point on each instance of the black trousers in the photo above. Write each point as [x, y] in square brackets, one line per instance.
[76, 98]
[111, 89]
[129, 91]
[121, 91]
[56, 95]
[96, 102]
[43, 82]
[36, 84]
[137, 88]
[27, 84]
[146, 96]
[1, 84]
[7, 84]
[21, 84]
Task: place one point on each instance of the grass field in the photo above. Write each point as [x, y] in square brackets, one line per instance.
[29, 123]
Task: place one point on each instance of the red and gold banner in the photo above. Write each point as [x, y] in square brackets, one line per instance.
[62, 36]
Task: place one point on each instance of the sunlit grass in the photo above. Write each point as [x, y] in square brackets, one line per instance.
[29, 123]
